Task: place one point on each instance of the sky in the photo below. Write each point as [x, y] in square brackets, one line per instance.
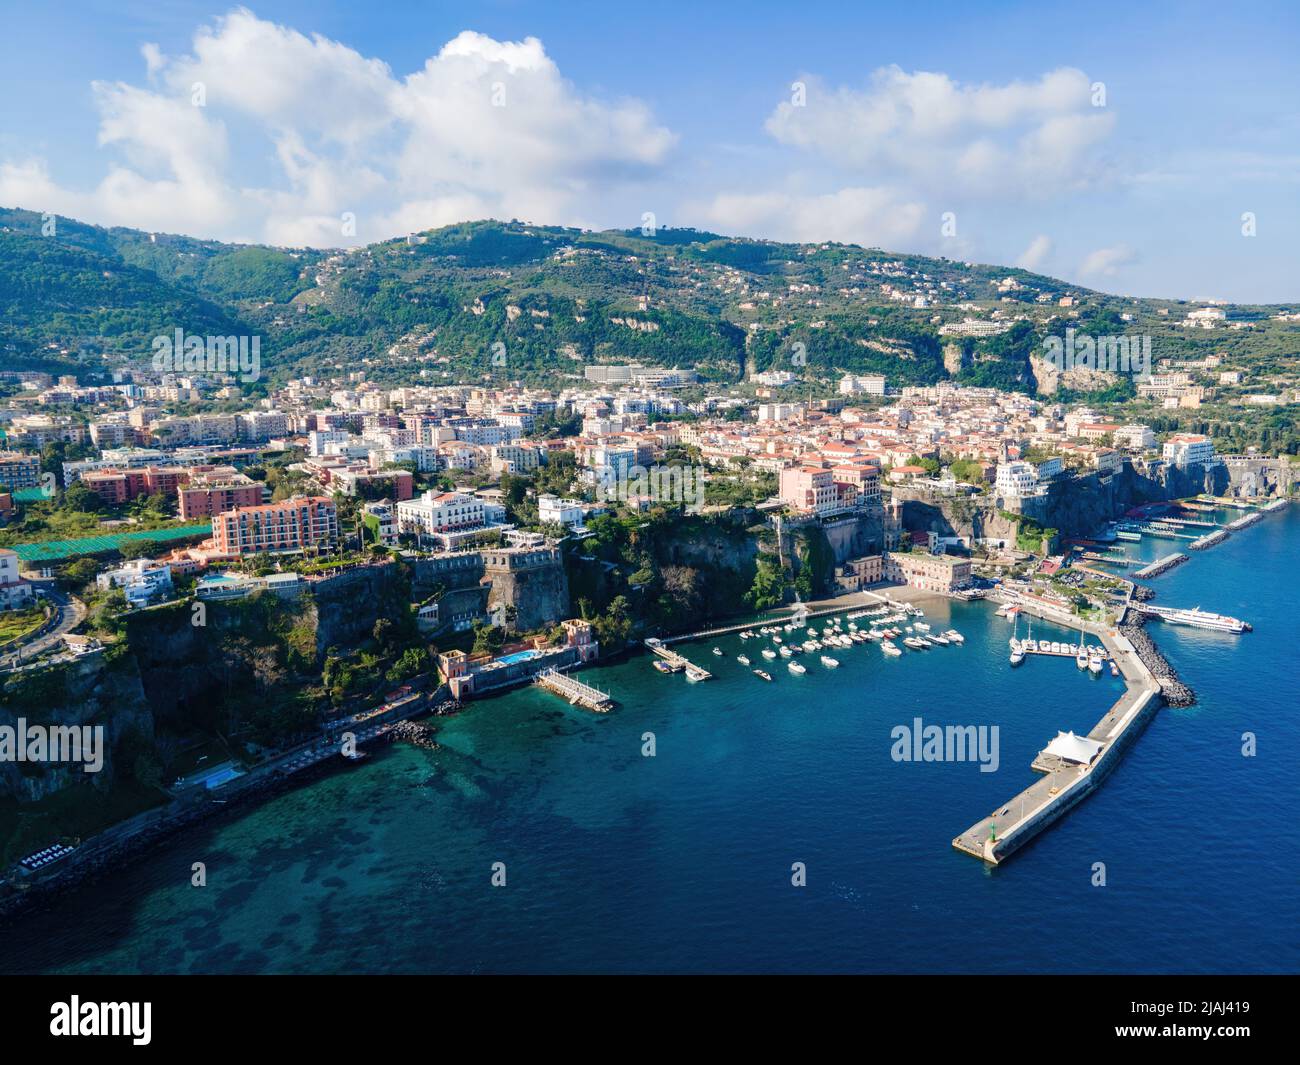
[1142, 149]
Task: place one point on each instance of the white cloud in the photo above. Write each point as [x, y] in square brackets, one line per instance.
[328, 130]
[1037, 138]
[1034, 255]
[869, 216]
[1107, 262]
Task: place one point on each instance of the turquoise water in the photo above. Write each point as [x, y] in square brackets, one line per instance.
[682, 862]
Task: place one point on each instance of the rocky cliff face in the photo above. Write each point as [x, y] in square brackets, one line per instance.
[98, 690]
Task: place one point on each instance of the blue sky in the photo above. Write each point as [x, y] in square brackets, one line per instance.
[332, 124]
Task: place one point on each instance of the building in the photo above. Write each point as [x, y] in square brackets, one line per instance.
[809, 488]
[552, 510]
[869, 385]
[1016, 479]
[15, 592]
[437, 514]
[1134, 437]
[859, 573]
[120, 486]
[381, 519]
[19, 470]
[215, 491]
[142, 581]
[934, 573]
[292, 525]
[1187, 448]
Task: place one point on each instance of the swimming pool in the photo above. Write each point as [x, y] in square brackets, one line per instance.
[518, 656]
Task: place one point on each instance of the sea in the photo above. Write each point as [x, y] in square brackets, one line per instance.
[741, 826]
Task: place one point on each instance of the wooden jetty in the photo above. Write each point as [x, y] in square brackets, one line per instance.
[692, 671]
[577, 693]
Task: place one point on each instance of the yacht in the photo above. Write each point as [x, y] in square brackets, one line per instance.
[718, 651]
[760, 673]
[938, 637]
[742, 659]
[796, 667]
[913, 643]
[1017, 656]
[890, 649]
[786, 652]
[829, 662]
[768, 652]
[1094, 665]
[954, 636]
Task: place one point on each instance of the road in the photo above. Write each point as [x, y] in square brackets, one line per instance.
[70, 612]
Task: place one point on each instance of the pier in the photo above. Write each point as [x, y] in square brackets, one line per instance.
[678, 661]
[577, 693]
[1161, 565]
[1069, 777]
[1209, 541]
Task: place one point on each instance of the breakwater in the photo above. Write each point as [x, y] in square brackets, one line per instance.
[1162, 565]
[1176, 693]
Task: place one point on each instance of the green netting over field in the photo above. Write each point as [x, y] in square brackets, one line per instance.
[51, 550]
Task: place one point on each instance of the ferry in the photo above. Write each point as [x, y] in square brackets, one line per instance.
[796, 667]
[760, 673]
[1203, 619]
[768, 652]
[718, 651]
[1133, 537]
[829, 662]
[742, 659]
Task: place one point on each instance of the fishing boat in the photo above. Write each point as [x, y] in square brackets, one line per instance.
[742, 659]
[829, 662]
[761, 673]
[796, 667]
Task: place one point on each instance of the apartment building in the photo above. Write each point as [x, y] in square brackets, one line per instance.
[215, 491]
[19, 470]
[297, 523]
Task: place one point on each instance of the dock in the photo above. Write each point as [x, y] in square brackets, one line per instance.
[678, 661]
[1161, 565]
[577, 693]
[1066, 782]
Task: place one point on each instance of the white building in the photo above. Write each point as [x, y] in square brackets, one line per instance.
[439, 514]
[142, 581]
[1134, 437]
[870, 385]
[1187, 448]
[552, 510]
[14, 590]
[1016, 479]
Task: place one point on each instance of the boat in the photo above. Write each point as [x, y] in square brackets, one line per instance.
[913, 643]
[1094, 665]
[954, 636]
[1081, 653]
[742, 659]
[662, 666]
[873, 635]
[890, 649]
[776, 638]
[829, 662]
[922, 626]
[1017, 656]
[718, 651]
[796, 667]
[1114, 669]
[938, 637]
[1132, 537]
[1200, 619]
[760, 673]
[768, 652]
[786, 652]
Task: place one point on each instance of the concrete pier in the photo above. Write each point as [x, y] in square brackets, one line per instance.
[1015, 823]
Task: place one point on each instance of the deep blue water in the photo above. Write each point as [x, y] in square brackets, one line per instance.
[682, 862]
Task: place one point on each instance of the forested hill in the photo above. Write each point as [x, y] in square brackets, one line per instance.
[434, 306]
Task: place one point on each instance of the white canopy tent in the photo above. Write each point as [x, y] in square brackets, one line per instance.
[1074, 748]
